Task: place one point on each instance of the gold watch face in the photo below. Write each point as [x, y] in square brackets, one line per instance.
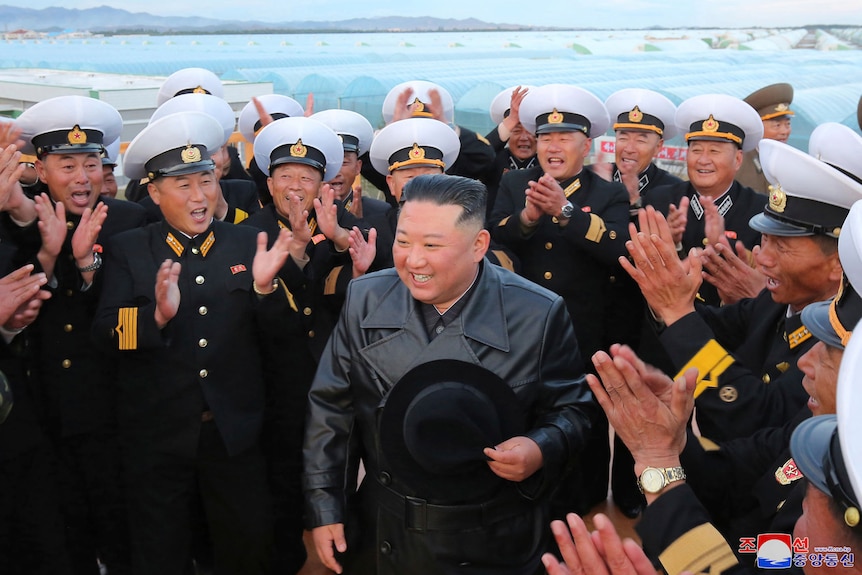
[652, 480]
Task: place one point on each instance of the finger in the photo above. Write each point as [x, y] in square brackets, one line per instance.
[612, 546]
[682, 398]
[554, 567]
[588, 556]
[640, 562]
[568, 550]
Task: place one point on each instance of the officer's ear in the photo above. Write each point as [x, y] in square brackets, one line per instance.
[154, 192]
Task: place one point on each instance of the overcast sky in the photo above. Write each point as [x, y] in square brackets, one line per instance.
[561, 13]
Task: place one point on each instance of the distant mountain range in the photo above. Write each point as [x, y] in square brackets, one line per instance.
[113, 20]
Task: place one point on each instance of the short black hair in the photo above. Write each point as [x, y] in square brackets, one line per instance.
[446, 190]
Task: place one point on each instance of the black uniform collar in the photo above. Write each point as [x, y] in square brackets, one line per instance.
[180, 243]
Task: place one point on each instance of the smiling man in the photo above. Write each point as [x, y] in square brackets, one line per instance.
[568, 227]
[718, 129]
[68, 135]
[747, 352]
[186, 304]
[772, 104]
[435, 501]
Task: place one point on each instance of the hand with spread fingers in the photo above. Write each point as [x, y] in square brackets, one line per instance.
[713, 223]
[668, 284]
[601, 552]
[362, 251]
[326, 211]
[650, 420]
[731, 271]
[677, 218]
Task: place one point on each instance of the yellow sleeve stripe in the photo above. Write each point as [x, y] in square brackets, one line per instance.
[239, 216]
[708, 444]
[331, 281]
[710, 361]
[127, 328]
[503, 221]
[700, 550]
[290, 298]
[597, 229]
[505, 260]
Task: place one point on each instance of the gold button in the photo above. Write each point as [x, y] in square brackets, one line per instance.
[70, 225]
[766, 378]
[548, 275]
[67, 328]
[613, 279]
[307, 311]
[549, 245]
[195, 251]
[199, 280]
[67, 363]
[311, 333]
[69, 293]
[203, 373]
[705, 241]
[555, 220]
[203, 310]
[202, 342]
[612, 234]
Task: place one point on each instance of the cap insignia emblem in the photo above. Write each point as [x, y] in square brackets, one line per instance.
[418, 106]
[555, 117]
[417, 153]
[200, 90]
[298, 150]
[710, 125]
[76, 136]
[782, 107]
[636, 115]
[190, 155]
[777, 199]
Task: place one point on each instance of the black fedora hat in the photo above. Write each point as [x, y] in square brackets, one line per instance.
[435, 424]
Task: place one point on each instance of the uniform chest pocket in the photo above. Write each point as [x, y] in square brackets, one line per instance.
[240, 281]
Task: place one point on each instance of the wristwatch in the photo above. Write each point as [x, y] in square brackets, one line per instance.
[654, 479]
[97, 263]
[567, 211]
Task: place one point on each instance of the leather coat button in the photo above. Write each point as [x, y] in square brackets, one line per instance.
[385, 478]
[385, 548]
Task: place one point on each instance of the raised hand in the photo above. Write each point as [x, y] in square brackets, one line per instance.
[362, 252]
[267, 262]
[731, 272]
[167, 292]
[668, 284]
[677, 218]
[18, 289]
[327, 218]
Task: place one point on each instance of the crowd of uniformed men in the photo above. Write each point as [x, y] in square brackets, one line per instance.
[158, 351]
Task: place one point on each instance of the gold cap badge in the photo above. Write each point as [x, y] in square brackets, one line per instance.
[636, 115]
[777, 199]
[298, 150]
[200, 90]
[555, 117]
[190, 155]
[76, 136]
[782, 107]
[710, 125]
[417, 153]
[418, 106]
